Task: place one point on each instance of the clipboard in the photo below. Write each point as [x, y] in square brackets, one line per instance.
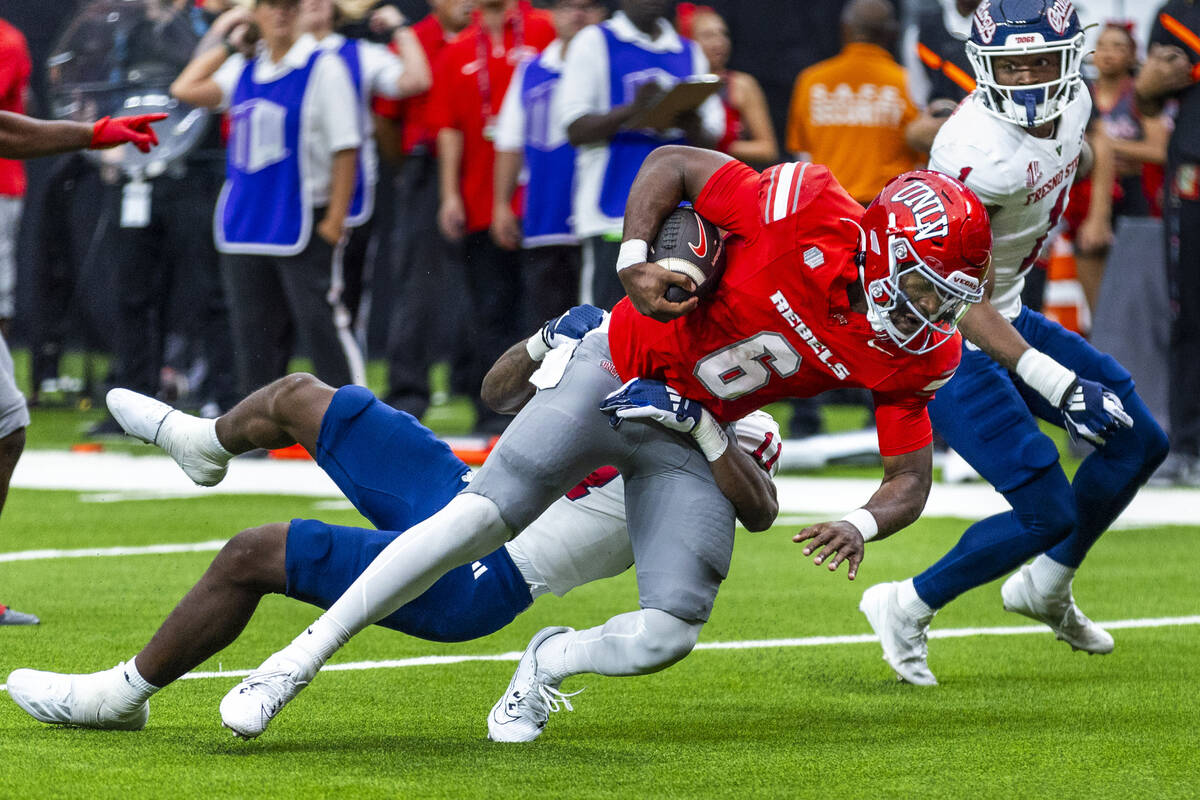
[687, 95]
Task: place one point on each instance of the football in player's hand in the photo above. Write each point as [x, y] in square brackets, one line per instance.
[689, 244]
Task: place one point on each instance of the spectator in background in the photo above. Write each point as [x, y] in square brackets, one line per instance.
[293, 148]
[1137, 146]
[422, 263]
[473, 74]
[614, 71]
[934, 56]
[374, 70]
[1171, 69]
[851, 112]
[529, 135]
[749, 134]
[165, 267]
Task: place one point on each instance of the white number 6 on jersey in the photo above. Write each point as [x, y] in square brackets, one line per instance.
[746, 366]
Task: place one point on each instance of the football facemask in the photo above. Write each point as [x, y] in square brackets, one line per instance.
[1021, 28]
[913, 304]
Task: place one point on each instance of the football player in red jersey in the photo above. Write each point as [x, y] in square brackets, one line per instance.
[810, 299]
[25, 137]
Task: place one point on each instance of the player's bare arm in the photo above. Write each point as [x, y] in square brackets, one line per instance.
[26, 137]
[748, 487]
[669, 176]
[506, 387]
[896, 504]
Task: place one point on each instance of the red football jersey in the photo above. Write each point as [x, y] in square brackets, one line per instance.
[779, 324]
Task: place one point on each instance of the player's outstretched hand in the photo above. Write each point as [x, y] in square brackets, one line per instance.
[646, 284]
[112, 131]
[1093, 412]
[837, 541]
[642, 398]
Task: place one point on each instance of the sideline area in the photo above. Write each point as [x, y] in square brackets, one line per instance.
[120, 476]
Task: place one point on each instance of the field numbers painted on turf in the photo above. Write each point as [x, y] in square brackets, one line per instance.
[746, 366]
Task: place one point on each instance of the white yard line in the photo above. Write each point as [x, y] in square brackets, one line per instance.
[109, 477]
[753, 644]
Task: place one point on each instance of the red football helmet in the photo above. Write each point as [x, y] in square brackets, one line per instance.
[927, 244]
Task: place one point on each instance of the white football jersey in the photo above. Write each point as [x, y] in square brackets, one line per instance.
[1027, 179]
[582, 537]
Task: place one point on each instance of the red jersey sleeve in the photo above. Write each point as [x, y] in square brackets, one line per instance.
[729, 199]
[902, 423]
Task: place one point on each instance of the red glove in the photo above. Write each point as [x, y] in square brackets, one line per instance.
[112, 131]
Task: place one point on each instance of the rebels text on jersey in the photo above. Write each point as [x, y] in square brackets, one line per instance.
[779, 324]
[1023, 180]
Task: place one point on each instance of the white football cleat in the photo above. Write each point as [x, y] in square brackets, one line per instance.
[904, 638]
[521, 713]
[187, 439]
[251, 705]
[1059, 613]
[82, 700]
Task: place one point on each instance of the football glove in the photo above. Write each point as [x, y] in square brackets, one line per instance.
[112, 131]
[655, 401]
[1093, 412]
[571, 326]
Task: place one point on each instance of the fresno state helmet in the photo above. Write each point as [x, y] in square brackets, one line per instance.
[927, 245]
[1003, 28]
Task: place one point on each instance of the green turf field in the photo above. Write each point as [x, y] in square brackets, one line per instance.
[1016, 716]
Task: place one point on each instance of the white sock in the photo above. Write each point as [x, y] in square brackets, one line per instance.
[130, 685]
[468, 528]
[1050, 577]
[181, 432]
[636, 643]
[911, 603]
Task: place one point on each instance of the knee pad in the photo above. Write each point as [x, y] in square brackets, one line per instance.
[1045, 508]
[664, 639]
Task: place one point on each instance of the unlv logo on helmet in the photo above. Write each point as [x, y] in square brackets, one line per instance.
[1059, 15]
[985, 23]
[929, 212]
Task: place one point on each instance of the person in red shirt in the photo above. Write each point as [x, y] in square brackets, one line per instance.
[424, 268]
[22, 137]
[816, 293]
[469, 85]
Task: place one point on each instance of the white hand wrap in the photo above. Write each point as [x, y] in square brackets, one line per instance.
[536, 346]
[1045, 376]
[635, 251]
[865, 522]
[710, 437]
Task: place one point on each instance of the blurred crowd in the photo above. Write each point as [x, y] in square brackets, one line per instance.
[427, 182]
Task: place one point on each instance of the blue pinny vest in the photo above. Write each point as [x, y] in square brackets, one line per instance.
[629, 67]
[362, 202]
[263, 209]
[551, 168]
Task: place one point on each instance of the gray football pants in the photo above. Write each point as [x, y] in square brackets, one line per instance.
[680, 525]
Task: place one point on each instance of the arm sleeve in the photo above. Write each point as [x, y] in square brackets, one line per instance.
[902, 422]
[729, 199]
[338, 104]
[584, 82]
[384, 67]
[510, 124]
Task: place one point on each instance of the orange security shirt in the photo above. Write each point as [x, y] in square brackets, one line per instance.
[849, 113]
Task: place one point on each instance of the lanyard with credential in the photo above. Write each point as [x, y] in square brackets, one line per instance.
[482, 46]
